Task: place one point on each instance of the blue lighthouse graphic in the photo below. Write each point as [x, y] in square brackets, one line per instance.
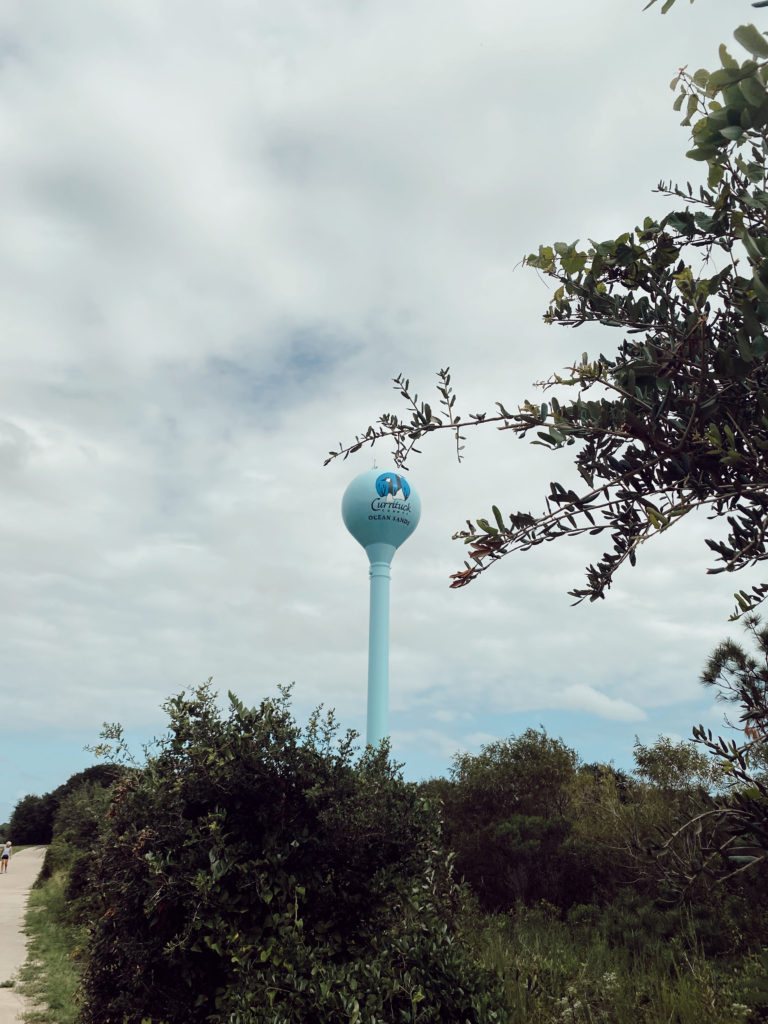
[392, 483]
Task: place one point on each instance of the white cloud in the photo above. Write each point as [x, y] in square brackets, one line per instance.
[580, 697]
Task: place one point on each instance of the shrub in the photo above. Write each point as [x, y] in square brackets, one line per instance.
[250, 871]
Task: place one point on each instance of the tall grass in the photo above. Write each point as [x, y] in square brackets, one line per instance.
[557, 972]
[50, 975]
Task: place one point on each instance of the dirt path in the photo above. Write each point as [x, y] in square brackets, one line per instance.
[14, 891]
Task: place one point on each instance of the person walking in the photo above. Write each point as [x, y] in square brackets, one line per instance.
[5, 857]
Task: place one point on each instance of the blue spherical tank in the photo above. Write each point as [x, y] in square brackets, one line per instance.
[381, 509]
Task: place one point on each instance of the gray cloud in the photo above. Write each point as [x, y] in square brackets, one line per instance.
[226, 228]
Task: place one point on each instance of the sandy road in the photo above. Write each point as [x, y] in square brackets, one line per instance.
[14, 892]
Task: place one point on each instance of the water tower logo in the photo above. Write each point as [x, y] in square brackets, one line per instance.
[389, 505]
[391, 483]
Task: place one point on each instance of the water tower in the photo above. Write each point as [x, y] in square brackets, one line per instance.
[380, 509]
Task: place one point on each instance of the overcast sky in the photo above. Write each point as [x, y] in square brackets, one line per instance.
[226, 225]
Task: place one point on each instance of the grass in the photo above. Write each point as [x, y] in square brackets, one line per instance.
[557, 973]
[50, 975]
[553, 971]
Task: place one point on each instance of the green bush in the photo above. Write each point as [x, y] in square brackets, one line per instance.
[250, 871]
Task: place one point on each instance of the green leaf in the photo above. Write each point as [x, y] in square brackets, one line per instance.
[657, 520]
[717, 119]
[701, 154]
[752, 40]
[751, 246]
[733, 132]
[574, 264]
[730, 75]
[752, 324]
[760, 288]
[486, 526]
[693, 103]
[715, 175]
[745, 351]
[754, 91]
[725, 58]
[664, 9]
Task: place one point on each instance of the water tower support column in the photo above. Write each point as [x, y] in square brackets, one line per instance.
[378, 654]
[381, 510]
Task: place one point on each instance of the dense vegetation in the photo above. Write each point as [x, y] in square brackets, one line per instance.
[33, 817]
[247, 870]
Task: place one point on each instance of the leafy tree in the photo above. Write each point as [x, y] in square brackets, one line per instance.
[509, 819]
[721, 836]
[675, 418]
[676, 780]
[252, 871]
[32, 820]
[528, 774]
[76, 831]
[676, 767]
[741, 679]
